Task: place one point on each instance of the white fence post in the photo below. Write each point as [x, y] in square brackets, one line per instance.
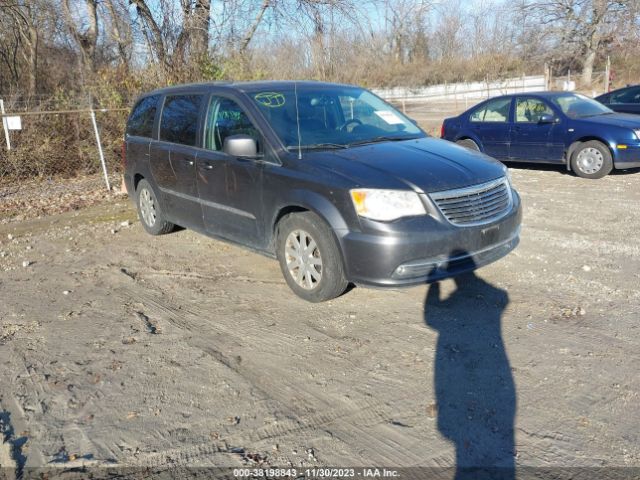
[4, 125]
[104, 166]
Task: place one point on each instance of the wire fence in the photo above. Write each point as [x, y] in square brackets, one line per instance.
[50, 142]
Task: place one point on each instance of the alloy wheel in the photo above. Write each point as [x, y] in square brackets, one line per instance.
[303, 259]
[147, 207]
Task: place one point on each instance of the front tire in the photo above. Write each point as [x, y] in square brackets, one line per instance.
[591, 160]
[468, 143]
[149, 210]
[310, 258]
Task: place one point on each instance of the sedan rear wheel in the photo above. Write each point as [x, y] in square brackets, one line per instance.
[468, 143]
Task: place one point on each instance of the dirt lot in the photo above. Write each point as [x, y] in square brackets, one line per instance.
[125, 350]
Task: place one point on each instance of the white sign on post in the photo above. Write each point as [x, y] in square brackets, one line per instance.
[4, 125]
[14, 123]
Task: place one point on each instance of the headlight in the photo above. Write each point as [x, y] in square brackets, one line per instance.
[637, 132]
[386, 205]
[507, 173]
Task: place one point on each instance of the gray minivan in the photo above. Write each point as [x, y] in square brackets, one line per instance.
[330, 179]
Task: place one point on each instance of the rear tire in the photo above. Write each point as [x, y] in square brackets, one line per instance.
[149, 210]
[310, 258]
[592, 160]
[468, 143]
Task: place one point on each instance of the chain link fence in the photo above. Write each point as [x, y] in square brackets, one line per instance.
[59, 139]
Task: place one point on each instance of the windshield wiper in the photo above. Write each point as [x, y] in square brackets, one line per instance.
[317, 146]
[597, 114]
[382, 138]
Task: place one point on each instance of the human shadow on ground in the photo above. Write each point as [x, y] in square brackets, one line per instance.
[474, 387]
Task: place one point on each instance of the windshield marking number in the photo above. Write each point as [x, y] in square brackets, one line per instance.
[270, 99]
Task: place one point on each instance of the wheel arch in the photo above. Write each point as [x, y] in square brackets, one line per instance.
[143, 173]
[136, 180]
[468, 136]
[308, 201]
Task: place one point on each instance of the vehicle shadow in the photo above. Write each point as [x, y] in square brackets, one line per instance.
[474, 387]
[546, 167]
[561, 169]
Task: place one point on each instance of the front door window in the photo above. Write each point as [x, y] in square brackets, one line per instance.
[225, 119]
[531, 110]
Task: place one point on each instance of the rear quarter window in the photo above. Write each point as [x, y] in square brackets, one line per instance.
[140, 122]
[179, 122]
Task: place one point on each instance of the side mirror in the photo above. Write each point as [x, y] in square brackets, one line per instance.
[546, 118]
[240, 146]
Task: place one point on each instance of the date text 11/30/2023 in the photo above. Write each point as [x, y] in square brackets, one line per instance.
[318, 472]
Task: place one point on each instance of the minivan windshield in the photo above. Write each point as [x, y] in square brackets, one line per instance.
[579, 106]
[331, 117]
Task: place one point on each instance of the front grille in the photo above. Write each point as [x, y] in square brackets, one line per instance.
[475, 205]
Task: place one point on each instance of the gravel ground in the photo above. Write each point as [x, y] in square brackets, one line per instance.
[127, 350]
[23, 200]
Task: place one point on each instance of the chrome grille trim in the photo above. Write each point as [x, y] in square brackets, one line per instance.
[475, 205]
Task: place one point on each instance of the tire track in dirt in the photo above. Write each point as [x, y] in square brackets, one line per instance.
[311, 408]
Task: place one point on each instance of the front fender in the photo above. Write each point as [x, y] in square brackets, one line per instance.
[324, 207]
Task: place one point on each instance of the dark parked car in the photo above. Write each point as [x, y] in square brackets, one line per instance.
[550, 127]
[330, 179]
[623, 100]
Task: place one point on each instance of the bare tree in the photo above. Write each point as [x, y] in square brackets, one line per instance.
[83, 29]
[120, 29]
[405, 21]
[581, 27]
[447, 38]
[21, 16]
[153, 33]
[194, 35]
[254, 25]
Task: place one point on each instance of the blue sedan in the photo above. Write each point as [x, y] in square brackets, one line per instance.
[550, 127]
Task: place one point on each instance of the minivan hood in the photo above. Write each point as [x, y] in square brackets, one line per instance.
[615, 119]
[425, 165]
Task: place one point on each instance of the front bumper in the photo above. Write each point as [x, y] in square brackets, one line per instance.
[428, 249]
[628, 157]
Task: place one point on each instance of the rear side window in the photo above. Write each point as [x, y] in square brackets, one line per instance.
[631, 95]
[141, 119]
[494, 111]
[179, 122]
